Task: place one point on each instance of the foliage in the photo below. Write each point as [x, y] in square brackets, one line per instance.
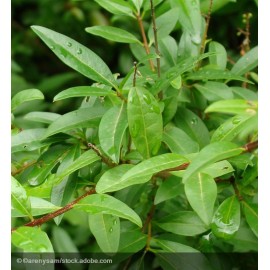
[158, 162]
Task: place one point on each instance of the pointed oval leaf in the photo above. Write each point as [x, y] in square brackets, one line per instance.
[141, 173]
[220, 57]
[145, 121]
[132, 242]
[82, 91]
[24, 96]
[182, 223]
[112, 33]
[31, 239]
[19, 198]
[76, 56]
[201, 192]
[137, 4]
[85, 117]
[112, 130]
[226, 220]
[251, 213]
[105, 204]
[210, 154]
[42, 117]
[106, 230]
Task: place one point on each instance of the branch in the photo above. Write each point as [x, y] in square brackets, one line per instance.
[135, 73]
[46, 218]
[249, 147]
[23, 167]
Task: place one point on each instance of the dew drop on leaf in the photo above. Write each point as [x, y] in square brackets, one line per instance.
[52, 47]
[236, 121]
[194, 121]
[111, 230]
[115, 222]
[69, 44]
[79, 51]
[147, 98]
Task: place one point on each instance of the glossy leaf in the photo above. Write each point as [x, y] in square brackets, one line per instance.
[233, 106]
[76, 56]
[145, 121]
[214, 91]
[201, 192]
[137, 4]
[168, 49]
[226, 220]
[179, 142]
[85, 117]
[24, 96]
[105, 204]
[31, 239]
[192, 125]
[112, 33]
[251, 213]
[38, 207]
[85, 159]
[42, 117]
[112, 130]
[106, 230]
[210, 154]
[182, 223]
[244, 93]
[19, 199]
[220, 57]
[247, 62]
[132, 242]
[82, 91]
[234, 126]
[141, 173]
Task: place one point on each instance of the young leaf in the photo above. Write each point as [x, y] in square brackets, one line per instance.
[19, 198]
[210, 154]
[179, 142]
[106, 204]
[226, 220]
[234, 106]
[106, 230]
[141, 173]
[182, 223]
[82, 91]
[24, 96]
[31, 239]
[247, 62]
[220, 57]
[112, 33]
[85, 117]
[201, 192]
[112, 130]
[145, 121]
[42, 117]
[251, 213]
[76, 56]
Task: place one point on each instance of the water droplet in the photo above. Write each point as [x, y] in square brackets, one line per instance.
[52, 47]
[194, 121]
[42, 248]
[111, 230]
[79, 51]
[193, 3]
[25, 242]
[69, 44]
[147, 98]
[196, 39]
[24, 146]
[155, 108]
[236, 121]
[115, 222]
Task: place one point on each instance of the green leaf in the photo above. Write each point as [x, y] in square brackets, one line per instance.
[216, 5]
[117, 7]
[31, 239]
[210, 154]
[247, 62]
[42, 117]
[165, 24]
[251, 213]
[85, 159]
[137, 4]
[193, 126]
[168, 190]
[220, 57]
[201, 192]
[226, 220]
[215, 74]
[179, 142]
[82, 91]
[145, 121]
[234, 126]
[105, 204]
[38, 207]
[106, 230]
[218, 169]
[244, 93]
[19, 198]
[24, 96]
[76, 56]
[214, 91]
[85, 117]
[112, 130]
[132, 242]
[234, 106]
[182, 223]
[168, 50]
[112, 33]
[141, 173]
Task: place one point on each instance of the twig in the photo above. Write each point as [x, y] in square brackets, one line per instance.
[236, 190]
[135, 73]
[249, 147]
[46, 218]
[23, 168]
